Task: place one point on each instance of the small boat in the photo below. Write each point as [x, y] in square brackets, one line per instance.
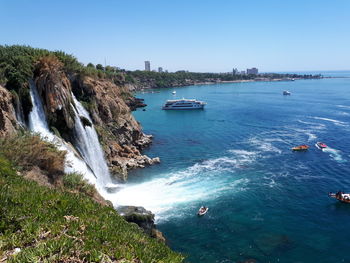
[340, 196]
[286, 92]
[321, 145]
[202, 211]
[174, 92]
[303, 147]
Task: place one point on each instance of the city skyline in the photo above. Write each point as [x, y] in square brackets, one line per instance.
[187, 35]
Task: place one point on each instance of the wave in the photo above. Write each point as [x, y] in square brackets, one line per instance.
[343, 113]
[314, 125]
[343, 106]
[336, 122]
[264, 145]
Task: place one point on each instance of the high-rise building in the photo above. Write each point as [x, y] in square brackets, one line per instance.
[252, 71]
[160, 69]
[147, 66]
[234, 71]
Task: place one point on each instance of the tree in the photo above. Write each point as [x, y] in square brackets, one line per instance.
[99, 67]
[90, 65]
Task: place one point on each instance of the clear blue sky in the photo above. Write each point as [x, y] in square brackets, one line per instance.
[195, 35]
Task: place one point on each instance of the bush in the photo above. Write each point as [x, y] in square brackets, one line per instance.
[26, 150]
[76, 182]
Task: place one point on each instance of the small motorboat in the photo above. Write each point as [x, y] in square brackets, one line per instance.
[340, 196]
[303, 147]
[321, 145]
[174, 92]
[202, 211]
[286, 92]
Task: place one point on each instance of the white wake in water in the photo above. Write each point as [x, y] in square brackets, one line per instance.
[334, 154]
[170, 194]
[336, 122]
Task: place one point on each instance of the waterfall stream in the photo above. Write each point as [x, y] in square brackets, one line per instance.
[87, 143]
[92, 165]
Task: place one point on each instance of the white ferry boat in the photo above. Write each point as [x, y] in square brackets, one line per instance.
[183, 104]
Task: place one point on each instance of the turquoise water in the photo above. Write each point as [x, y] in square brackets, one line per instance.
[265, 202]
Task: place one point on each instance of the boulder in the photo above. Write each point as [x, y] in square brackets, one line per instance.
[143, 218]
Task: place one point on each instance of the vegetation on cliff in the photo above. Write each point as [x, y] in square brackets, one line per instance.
[26, 150]
[39, 224]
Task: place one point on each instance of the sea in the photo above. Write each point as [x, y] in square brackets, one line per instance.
[266, 202]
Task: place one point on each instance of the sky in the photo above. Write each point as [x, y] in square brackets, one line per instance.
[194, 35]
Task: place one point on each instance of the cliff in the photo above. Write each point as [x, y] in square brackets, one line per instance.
[8, 121]
[119, 133]
[54, 89]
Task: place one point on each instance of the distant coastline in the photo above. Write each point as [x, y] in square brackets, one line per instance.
[143, 80]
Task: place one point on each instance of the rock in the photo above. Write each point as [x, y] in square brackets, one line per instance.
[158, 235]
[55, 90]
[155, 160]
[143, 218]
[8, 121]
[85, 121]
[135, 103]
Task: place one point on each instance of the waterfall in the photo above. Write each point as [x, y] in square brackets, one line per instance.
[19, 113]
[93, 167]
[87, 143]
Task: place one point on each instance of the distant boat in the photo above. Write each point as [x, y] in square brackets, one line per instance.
[340, 196]
[286, 92]
[303, 147]
[202, 211]
[183, 104]
[321, 145]
[174, 92]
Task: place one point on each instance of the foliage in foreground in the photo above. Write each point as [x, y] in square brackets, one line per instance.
[51, 225]
[28, 150]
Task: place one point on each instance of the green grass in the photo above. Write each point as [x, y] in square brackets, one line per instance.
[76, 182]
[53, 225]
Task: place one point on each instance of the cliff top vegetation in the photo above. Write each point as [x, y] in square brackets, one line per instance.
[39, 224]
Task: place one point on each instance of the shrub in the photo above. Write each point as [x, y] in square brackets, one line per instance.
[76, 182]
[26, 150]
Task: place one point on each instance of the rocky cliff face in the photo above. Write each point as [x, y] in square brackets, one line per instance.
[55, 90]
[8, 122]
[120, 134]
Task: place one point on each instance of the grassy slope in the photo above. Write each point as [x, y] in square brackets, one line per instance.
[52, 225]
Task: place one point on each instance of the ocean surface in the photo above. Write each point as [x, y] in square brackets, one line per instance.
[265, 202]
